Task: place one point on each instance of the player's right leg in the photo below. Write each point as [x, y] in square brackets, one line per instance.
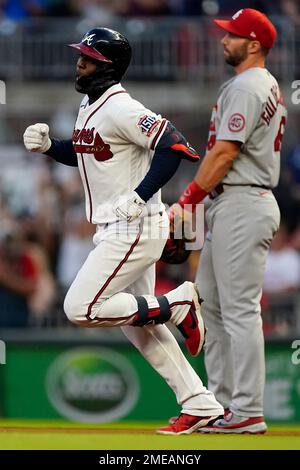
[217, 348]
[198, 405]
[158, 345]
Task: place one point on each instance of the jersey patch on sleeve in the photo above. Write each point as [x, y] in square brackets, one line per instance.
[148, 124]
[236, 122]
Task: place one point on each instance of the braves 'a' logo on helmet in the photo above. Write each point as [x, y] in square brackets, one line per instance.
[88, 38]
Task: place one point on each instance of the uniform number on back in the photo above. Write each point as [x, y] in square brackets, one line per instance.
[278, 140]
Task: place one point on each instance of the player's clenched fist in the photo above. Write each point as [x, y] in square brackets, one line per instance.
[36, 138]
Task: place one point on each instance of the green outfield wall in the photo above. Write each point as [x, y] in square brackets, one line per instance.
[106, 383]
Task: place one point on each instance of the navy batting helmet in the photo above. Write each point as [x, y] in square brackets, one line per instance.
[106, 46]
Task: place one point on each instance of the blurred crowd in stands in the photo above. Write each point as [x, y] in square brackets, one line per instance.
[18, 10]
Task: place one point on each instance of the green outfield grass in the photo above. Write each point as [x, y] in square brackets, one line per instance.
[139, 436]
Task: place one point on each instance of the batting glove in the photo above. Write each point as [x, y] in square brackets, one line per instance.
[36, 138]
[130, 207]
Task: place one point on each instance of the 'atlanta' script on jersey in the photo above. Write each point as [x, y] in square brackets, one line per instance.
[86, 141]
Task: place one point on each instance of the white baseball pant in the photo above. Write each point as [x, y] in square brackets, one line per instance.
[104, 292]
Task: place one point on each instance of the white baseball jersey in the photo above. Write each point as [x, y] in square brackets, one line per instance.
[115, 138]
[250, 110]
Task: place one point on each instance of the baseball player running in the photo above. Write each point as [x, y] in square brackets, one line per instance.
[239, 170]
[125, 153]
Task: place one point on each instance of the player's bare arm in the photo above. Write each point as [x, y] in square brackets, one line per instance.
[216, 164]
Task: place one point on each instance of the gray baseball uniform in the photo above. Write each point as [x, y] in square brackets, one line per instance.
[242, 221]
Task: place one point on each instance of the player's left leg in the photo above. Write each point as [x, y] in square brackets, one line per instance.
[217, 348]
[158, 345]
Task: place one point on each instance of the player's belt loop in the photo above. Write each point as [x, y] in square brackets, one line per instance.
[219, 189]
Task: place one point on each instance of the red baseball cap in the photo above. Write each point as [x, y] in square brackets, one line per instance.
[251, 24]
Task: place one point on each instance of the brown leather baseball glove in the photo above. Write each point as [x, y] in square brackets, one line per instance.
[175, 251]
